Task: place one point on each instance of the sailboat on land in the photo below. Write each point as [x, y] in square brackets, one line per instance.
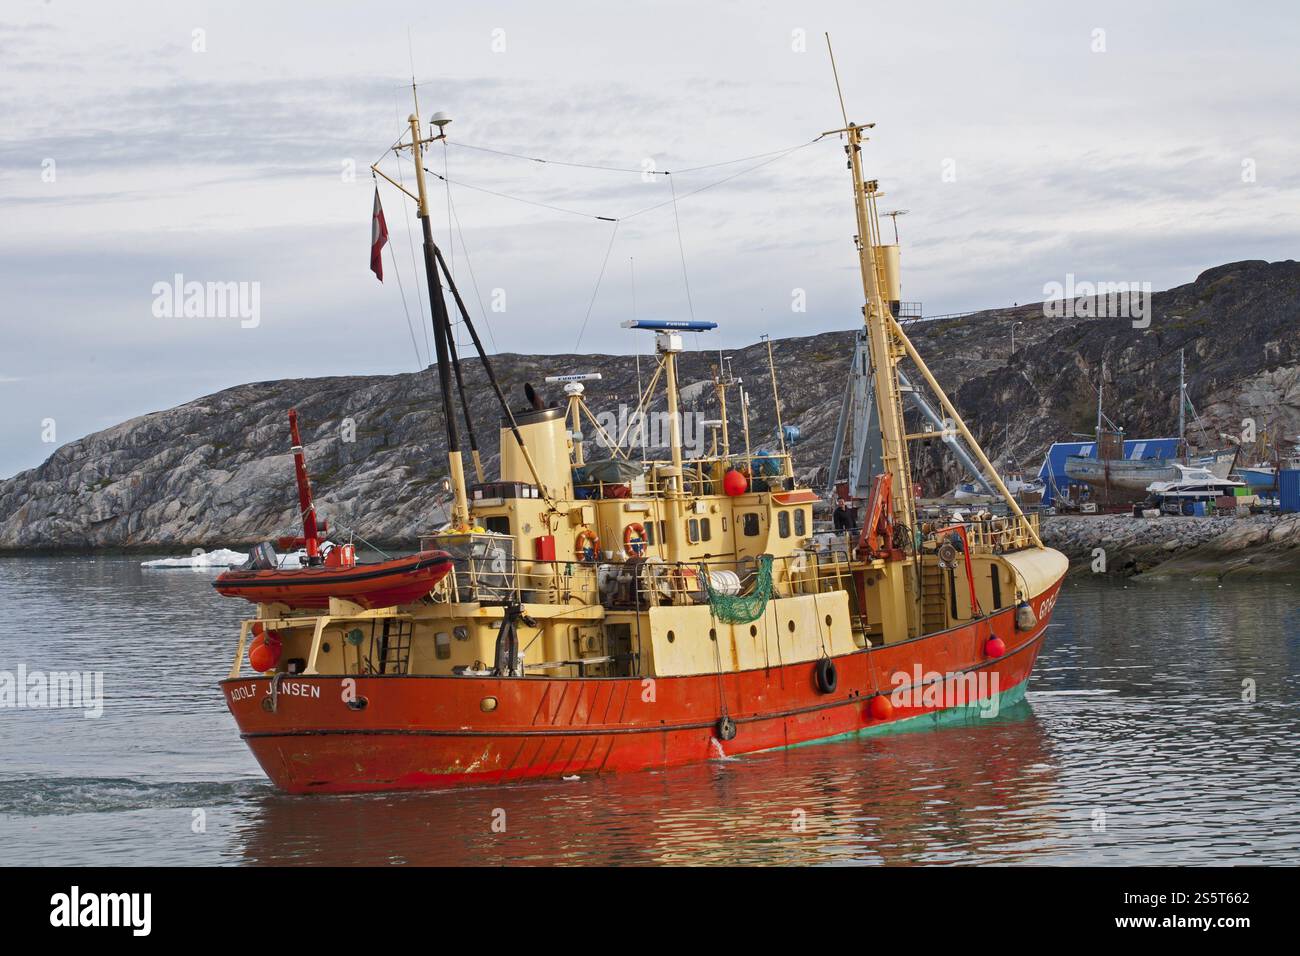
[655, 612]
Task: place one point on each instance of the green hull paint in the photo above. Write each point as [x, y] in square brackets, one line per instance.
[967, 714]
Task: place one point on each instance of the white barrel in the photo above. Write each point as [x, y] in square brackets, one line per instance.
[724, 582]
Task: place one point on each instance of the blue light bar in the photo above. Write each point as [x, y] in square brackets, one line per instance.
[670, 325]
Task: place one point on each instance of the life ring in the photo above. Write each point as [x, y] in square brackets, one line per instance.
[635, 532]
[827, 677]
[586, 539]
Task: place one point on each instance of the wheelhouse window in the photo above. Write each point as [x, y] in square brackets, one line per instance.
[497, 524]
[783, 523]
[699, 529]
[749, 524]
[800, 522]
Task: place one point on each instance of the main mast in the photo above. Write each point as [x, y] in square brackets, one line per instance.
[888, 344]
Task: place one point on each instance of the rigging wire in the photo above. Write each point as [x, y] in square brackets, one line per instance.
[451, 239]
[618, 169]
[410, 239]
[681, 248]
[770, 158]
[604, 262]
[529, 202]
[469, 264]
[392, 253]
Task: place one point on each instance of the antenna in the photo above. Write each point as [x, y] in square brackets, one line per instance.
[836, 73]
[894, 214]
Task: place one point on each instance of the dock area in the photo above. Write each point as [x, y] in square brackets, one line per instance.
[1218, 546]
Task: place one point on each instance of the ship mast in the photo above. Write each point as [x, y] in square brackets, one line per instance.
[442, 335]
[888, 344]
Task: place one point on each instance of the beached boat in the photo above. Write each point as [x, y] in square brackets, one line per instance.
[1194, 484]
[1105, 468]
[654, 613]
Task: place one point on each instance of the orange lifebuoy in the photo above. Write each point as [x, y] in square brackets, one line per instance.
[635, 531]
[586, 539]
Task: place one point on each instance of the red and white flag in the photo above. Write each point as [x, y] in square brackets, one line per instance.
[378, 239]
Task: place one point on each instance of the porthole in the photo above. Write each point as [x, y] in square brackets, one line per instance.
[460, 632]
[753, 630]
[713, 633]
[790, 625]
[325, 647]
[828, 620]
[671, 637]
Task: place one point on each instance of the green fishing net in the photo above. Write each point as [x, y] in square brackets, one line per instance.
[742, 608]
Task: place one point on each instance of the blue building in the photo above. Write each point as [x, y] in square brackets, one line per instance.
[1053, 474]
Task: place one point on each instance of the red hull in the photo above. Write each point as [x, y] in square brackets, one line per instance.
[430, 732]
[382, 584]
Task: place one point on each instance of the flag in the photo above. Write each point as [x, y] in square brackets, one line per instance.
[378, 239]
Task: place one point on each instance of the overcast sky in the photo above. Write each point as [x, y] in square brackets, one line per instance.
[135, 148]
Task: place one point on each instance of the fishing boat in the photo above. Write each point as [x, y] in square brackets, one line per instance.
[651, 613]
[1262, 477]
[327, 571]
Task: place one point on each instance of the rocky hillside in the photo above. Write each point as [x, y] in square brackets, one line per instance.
[216, 471]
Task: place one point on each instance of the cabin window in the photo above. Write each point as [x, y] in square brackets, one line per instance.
[706, 529]
[497, 524]
[783, 523]
[997, 587]
[649, 532]
[749, 523]
[800, 523]
[442, 645]
[693, 531]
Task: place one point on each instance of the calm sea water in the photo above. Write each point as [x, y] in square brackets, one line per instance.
[1134, 746]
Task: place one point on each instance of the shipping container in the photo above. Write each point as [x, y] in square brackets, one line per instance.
[1288, 481]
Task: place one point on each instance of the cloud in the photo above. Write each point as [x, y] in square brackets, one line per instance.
[229, 165]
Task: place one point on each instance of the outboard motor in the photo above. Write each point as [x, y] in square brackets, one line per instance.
[262, 558]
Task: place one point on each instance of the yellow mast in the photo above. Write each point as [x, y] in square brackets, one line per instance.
[669, 344]
[888, 343]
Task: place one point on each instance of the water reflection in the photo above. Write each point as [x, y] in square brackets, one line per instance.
[920, 797]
